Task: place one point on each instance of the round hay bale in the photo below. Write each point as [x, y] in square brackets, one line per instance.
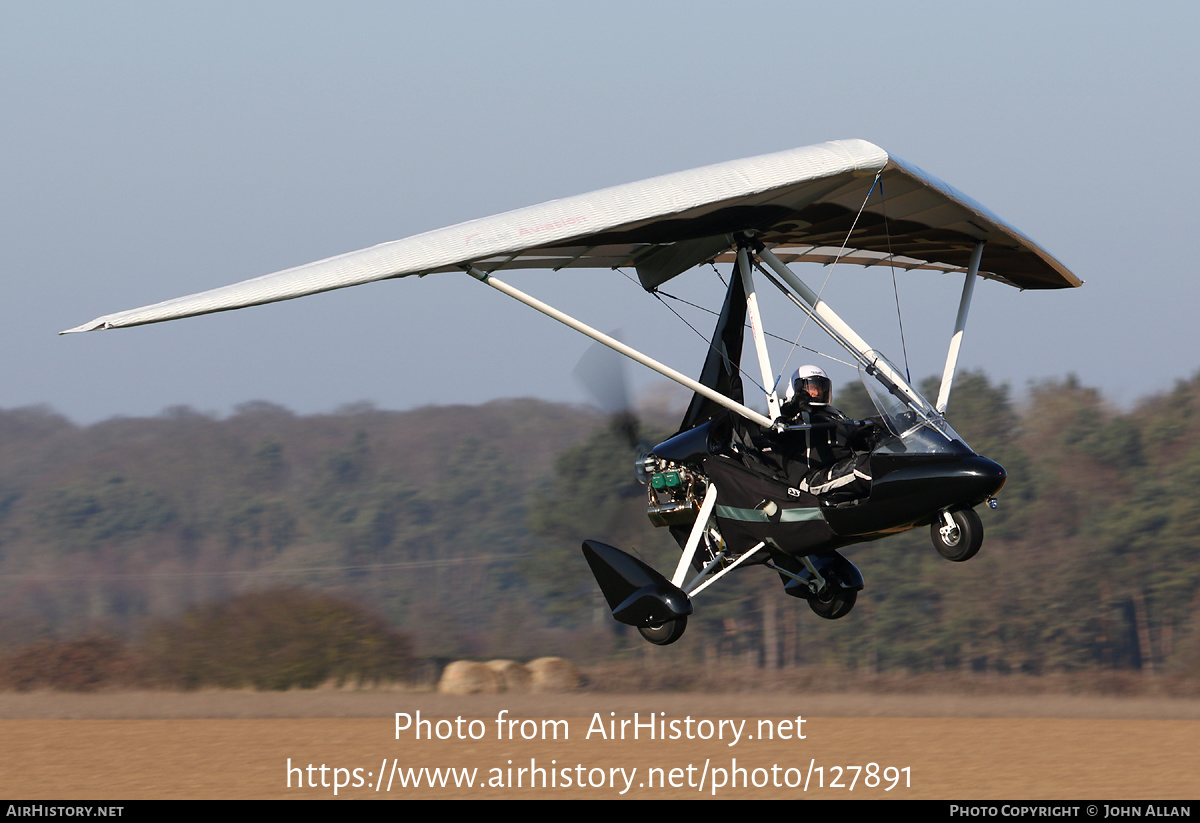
[469, 677]
[514, 675]
[553, 674]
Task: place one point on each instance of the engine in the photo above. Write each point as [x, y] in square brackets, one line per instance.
[670, 491]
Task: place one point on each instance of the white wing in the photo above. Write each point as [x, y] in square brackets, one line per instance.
[801, 202]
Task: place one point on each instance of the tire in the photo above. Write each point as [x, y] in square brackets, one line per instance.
[664, 634]
[834, 604]
[964, 540]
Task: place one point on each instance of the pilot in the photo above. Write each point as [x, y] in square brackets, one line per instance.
[834, 454]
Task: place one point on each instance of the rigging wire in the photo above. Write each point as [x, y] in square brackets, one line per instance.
[660, 294]
[770, 277]
[842, 253]
[698, 333]
[778, 337]
[895, 289]
[708, 342]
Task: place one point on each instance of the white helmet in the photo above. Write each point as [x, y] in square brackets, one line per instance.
[812, 385]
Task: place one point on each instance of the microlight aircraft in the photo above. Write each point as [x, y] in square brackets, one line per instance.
[726, 504]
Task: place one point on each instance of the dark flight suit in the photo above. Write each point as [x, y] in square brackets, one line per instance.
[834, 455]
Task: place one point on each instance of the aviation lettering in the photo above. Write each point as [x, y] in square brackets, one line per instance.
[554, 224]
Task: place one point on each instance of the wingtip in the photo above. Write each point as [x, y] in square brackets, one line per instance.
[95, 324]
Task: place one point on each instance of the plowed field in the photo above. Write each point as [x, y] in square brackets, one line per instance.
[248, 745]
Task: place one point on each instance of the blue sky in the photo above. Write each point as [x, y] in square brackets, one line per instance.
[150, 150]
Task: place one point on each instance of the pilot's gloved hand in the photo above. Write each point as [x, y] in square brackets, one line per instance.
[865, 436]
[791, 408]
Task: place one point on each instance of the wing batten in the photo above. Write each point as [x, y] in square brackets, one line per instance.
[801, 197]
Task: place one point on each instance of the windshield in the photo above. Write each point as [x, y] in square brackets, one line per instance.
[920, 429]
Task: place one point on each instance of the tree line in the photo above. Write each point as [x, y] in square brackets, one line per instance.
[461, 527]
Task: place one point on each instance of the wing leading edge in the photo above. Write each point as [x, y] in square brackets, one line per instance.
[801, 202]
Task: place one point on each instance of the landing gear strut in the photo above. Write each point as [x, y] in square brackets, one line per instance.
[829, 582]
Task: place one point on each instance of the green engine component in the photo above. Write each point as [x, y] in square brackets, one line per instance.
[665, 480]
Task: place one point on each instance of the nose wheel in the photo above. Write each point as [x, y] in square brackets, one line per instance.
[957, 534]
[664, 634]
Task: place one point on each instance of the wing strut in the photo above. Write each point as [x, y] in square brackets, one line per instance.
[619, 347]
[756, 327]
[960, 325]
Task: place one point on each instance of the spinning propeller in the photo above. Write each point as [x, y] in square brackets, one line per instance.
[602, 372]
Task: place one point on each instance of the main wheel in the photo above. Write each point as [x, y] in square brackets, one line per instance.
[664, 634]
[833, 603]
[960, 541]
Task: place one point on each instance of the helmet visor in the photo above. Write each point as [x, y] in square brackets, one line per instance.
[816, 389]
